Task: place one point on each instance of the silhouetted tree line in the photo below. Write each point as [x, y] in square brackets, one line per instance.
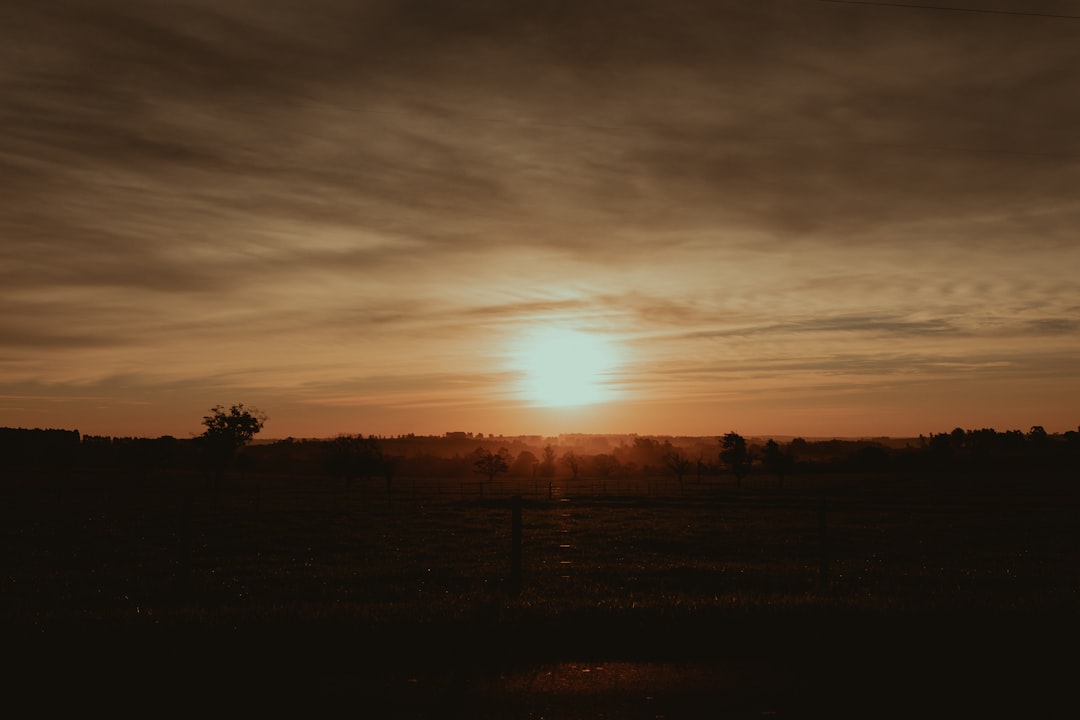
[37, 448]
[227, 446]
[137, 454]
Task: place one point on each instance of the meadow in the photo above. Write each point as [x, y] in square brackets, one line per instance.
[352, 589]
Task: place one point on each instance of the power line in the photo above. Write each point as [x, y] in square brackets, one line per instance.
[983, 11]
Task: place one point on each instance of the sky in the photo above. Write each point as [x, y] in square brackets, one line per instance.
[786, 217]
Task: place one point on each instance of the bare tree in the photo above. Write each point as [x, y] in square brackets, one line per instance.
[491, 464]
[677, 462]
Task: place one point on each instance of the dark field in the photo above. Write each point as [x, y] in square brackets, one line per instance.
[638, 598]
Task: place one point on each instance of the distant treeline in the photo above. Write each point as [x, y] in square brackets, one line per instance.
[359, 457]
[39, 448]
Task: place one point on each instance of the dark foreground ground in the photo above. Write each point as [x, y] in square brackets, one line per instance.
[767, 665]
[875, 597]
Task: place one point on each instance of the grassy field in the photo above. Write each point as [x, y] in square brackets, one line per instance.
[826, 572]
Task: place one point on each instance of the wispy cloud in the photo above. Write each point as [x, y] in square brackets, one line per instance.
[360, 205]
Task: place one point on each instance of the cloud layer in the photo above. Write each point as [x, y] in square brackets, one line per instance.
[792, 216]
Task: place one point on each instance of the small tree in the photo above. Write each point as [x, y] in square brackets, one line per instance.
[389, 467]
[226, 432]
[573, 462]
[605, 465]
[525, 465]
[735, 455]
[355, 456]
[776, 461]
[677, 462]
[547, 465]
[491, 464]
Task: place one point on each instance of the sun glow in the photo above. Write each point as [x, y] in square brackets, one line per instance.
[562, 368]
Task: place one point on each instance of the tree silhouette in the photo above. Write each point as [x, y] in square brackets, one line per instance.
[547, 465]
[677, 462]
[226, 432]
[735, 455]
[388, 466]
[573, 462]
[776, 460]
[526, 464]
[355, 456]
[1038, 436]
[491, 464]
[605, 464]
[648, 451]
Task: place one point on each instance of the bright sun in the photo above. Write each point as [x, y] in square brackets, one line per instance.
[561, 367]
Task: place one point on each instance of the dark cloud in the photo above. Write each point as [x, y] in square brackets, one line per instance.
[545, 123]
[1053, 326]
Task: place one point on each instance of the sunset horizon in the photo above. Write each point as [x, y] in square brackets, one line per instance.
[278, 428]
[793, 217]
[551, 359]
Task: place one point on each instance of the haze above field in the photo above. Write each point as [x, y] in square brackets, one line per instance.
[782, 217]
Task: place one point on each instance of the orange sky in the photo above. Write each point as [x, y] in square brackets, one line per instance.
[785, 217]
